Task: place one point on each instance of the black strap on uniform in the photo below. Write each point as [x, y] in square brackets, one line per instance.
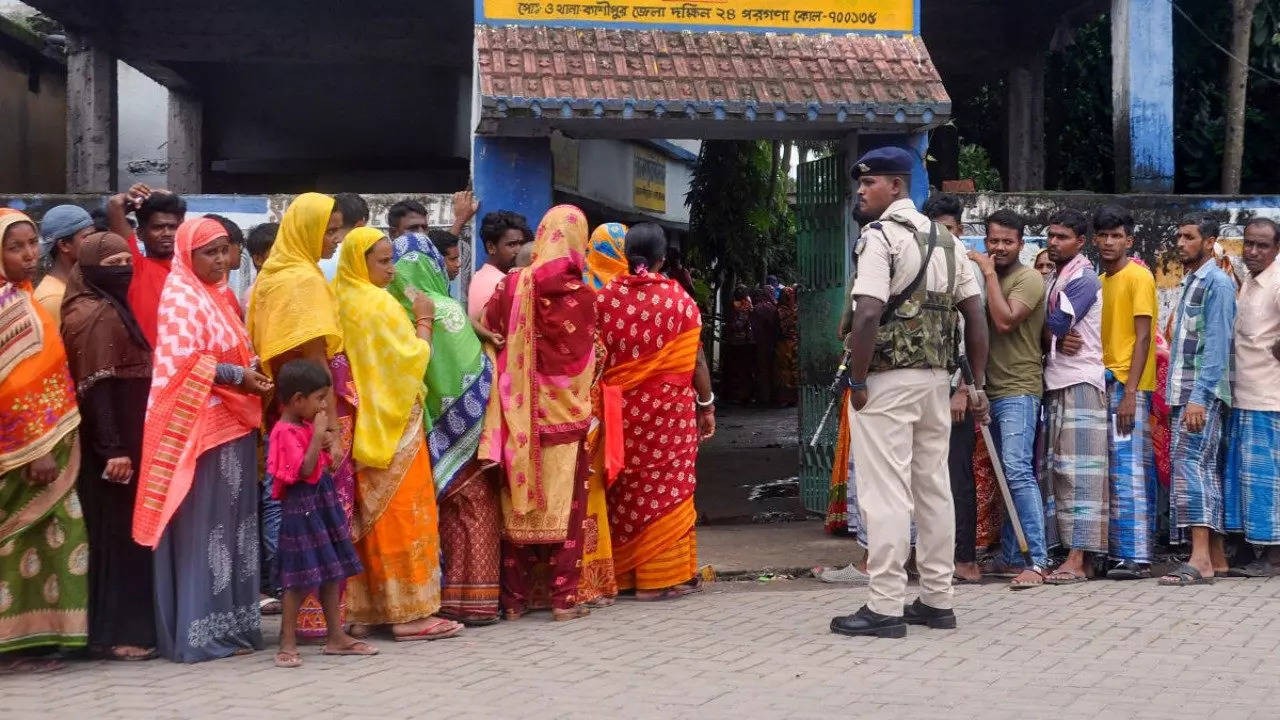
[896, 301]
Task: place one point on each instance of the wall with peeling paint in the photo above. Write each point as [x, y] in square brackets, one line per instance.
[1155, 216]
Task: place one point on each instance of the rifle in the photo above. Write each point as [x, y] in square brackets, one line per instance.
[836, 391]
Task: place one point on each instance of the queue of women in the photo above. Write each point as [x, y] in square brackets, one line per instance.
[428, 480]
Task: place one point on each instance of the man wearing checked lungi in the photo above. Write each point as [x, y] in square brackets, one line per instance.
[1075, 460]
[1199, 397]
[1252, 492]
[1129, 354]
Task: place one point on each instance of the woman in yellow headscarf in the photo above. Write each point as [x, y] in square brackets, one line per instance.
[395, 527]
[606, 260]
[293, 314]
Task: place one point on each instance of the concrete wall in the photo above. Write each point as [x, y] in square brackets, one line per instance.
[143, 128]
[1156, 218]
[606, 175]
[33, 135]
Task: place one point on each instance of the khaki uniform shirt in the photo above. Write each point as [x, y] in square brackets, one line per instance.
[894, 245]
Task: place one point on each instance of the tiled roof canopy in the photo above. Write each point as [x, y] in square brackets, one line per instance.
[550, 73]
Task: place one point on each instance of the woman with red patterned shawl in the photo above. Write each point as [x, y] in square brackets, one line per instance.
[653, 420]
[197, 502]
[536, 427]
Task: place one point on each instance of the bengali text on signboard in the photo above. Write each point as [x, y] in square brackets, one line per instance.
[807, 15]
[649, 184]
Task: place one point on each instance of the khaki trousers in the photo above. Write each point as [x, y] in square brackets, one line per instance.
[899, 443]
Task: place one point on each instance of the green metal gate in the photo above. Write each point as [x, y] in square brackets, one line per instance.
[822, 254]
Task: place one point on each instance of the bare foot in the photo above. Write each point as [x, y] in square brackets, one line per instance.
[968, 571]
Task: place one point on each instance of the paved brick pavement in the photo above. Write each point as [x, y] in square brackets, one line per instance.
[743, 650]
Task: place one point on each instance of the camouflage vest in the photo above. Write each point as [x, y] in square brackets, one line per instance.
[921, 332]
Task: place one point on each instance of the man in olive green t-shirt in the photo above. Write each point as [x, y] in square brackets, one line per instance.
[1015, 381]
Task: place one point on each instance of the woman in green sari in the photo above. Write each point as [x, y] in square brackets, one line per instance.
[459, 378]
[44, 549]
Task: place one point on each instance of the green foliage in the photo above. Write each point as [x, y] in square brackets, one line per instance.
[1079, 152]
[736, 228]
[1077, 113]
[1200, 98]
[975, 164]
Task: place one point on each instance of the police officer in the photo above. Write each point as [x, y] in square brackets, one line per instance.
[910, 280]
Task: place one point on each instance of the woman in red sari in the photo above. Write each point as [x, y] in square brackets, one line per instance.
[654, 419]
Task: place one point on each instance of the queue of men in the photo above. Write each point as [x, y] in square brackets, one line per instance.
[1066, 371]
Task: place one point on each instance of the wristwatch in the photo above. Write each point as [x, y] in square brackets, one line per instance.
[857, 385]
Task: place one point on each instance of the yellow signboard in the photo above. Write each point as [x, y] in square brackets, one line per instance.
[649, 182]
[782, 15]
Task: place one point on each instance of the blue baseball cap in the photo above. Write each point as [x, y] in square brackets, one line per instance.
[885, 161]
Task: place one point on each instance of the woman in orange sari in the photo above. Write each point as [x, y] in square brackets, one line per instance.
[654, 419]
[44, 550]
[544, 375]
[395, 528]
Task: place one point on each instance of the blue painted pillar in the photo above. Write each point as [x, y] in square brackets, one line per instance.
[511, 174]
[1142, 94]
[915, 143]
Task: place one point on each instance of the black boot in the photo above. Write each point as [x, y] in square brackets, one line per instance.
[867, 622]
[917, 613]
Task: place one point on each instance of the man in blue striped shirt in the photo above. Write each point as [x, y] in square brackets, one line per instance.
[1199, 396]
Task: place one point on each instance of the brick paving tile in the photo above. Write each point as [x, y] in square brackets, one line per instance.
[1089, 652]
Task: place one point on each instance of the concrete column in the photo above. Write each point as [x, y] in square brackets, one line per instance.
[915, 143]
[1142, 94]
[92, 118]
[512, 174]
[185, 138]
[1025, 129]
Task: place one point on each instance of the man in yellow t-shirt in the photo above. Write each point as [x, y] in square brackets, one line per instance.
[1129, 354]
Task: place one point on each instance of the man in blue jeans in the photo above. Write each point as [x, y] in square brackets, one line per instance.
[1015, 379]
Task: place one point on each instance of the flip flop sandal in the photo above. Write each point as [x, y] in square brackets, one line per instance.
[1125, 570]
[580, 611]
[1185, 575]
[430, 632]
[1259, 569]
[115, 654]
[1015, 585]
[1064, 577]
[671, 593]
[288, 660]
[957, 580]
[359, 647]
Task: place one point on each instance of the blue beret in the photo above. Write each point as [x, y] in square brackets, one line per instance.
[885, 161]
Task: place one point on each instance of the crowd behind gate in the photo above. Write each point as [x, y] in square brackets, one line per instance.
[1116, 429]
[201, 426]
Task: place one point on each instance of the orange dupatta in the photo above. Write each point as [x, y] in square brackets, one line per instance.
[676, 360]
[187, 414]
[34, 381]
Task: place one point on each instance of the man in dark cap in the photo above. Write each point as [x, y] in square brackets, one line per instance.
[911, 277]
